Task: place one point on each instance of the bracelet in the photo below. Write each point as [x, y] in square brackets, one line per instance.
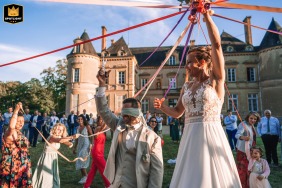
[15, 114]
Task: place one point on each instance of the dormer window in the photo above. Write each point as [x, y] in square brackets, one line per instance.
[105, 53]
[229, 49]
[172, 60]
[121, 52]
[249, 48]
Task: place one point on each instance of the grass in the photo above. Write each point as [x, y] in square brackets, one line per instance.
[69, 176]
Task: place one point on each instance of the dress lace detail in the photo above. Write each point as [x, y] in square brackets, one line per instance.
[204, 102]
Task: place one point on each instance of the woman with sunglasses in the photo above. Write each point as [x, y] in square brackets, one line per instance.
[82, 147]
[153, 124]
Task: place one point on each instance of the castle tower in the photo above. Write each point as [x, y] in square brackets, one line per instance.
[83, 63]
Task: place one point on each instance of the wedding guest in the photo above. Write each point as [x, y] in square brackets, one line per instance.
[1, 128]
[230, 122]
[160, 123]
[15, 168]
[72, 122]
[97, 153]
[82, 147]
[245, 133]
[36, 123]
[46, 126]
[27, 117]
[153, 124]
[258, 167]
[46, 173]
[86, 115]
[7, 116]
[269, 130]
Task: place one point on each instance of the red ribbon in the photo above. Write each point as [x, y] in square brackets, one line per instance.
[93, 39]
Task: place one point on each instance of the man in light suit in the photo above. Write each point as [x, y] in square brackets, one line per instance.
[135, 158]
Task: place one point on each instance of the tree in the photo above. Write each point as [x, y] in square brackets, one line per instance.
[54, 79]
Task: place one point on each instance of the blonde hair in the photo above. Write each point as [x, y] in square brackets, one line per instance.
[52, 131]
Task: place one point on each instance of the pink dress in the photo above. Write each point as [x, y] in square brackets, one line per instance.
[204, 157]
[257, 168]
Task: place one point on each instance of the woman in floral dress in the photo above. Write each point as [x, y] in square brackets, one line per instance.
[82, 147]
[15, 169]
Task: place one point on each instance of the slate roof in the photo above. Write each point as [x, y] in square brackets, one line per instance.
[272, 39]
[88, 48]
[120, 44]
[226, 38]
[157, 58]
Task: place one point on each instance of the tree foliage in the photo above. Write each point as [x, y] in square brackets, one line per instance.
[45, 95]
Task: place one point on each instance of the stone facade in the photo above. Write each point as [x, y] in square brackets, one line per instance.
[253, 73]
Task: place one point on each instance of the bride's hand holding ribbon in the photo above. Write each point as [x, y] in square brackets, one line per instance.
[158, 102]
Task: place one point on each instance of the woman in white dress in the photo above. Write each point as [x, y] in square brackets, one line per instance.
[204, 157]
[46, 173]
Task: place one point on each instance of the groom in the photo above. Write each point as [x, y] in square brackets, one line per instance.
[135, 158]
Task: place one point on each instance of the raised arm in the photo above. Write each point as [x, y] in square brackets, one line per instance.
[218, 71]
[14, 119]
[102, 104]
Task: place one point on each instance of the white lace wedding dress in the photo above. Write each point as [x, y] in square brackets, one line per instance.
[204, 157]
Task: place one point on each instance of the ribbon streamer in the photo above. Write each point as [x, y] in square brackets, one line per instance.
[182, 58]
[249, 7]
[64, 157]
[115, 3]
[163, 63]
[165, 38]
[93, 39]
[271, 31]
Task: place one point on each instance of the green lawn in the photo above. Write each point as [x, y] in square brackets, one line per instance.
[69, 176]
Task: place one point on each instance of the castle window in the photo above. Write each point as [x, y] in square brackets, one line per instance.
[172, 60]
[144, 82]
[234, 98]
[253, 102]
[121, 77]
[77, 50]
[231, 73]
[76, 75]
[251, 74]
[172, 102]
[249, 48]
[229, 49]
[159, 84]
[145, 105]
[172, 83]
[121, 52]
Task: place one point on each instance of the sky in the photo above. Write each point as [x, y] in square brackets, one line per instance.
[48, 26]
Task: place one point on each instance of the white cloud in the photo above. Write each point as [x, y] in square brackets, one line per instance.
[24, 71]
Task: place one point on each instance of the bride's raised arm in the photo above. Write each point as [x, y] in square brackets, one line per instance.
[218, 71]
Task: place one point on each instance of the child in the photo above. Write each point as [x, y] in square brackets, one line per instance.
[258, 167]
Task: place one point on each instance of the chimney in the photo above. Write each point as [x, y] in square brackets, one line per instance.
[192, 42]
[248, 30]
[112, 41]
[104, 40]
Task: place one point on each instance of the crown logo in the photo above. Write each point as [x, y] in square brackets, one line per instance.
[13, 11]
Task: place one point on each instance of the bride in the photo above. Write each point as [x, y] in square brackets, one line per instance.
[204, 157]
